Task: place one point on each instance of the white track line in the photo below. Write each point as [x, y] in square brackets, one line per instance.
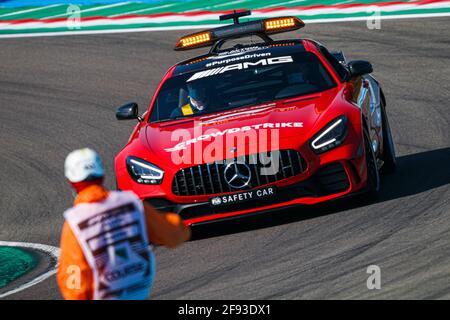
[343, 2]
[90, 10]
[189, 27]
[280, 4]
[226, 4]
[142, 10]
[29, 10]
[53, 251]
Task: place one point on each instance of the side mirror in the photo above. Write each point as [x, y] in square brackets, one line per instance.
[127, 112]
[359, 67]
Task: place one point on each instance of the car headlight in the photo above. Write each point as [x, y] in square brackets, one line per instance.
[144, 172]
[332, 135]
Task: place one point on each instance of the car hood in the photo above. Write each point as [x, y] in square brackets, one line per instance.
[281, 121]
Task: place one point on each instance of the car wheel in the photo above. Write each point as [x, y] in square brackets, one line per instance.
[373, 175]
[388, 156]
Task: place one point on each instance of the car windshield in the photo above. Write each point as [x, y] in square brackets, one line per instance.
[250, 82]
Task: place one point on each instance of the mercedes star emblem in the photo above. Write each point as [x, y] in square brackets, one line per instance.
[237, 175]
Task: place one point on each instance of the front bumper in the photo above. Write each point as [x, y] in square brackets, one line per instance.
[329, 182]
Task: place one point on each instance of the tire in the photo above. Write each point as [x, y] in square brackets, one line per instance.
[373, 175]
[388, 157]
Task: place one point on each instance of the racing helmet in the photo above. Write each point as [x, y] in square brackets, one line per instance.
[197, 92]
[83, 165]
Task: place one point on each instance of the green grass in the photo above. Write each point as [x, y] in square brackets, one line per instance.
[14, 263]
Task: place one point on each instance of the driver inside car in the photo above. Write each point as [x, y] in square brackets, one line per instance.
[197, 101]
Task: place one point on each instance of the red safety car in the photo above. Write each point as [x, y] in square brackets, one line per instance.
[256, 125]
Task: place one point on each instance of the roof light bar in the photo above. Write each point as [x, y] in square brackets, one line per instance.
[261, 28]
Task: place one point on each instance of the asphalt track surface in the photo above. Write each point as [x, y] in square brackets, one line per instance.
[60, 93]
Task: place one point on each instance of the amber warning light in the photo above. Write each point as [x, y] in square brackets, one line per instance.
[279, 24]
[193, 40]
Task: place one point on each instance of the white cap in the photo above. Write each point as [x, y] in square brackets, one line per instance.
[83, 164]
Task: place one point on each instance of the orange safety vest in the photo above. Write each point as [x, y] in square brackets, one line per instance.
[165, 229]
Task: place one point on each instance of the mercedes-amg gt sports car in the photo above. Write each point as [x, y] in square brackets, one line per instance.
[254, 126]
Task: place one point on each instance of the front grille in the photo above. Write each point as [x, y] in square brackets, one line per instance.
[209, 178]
[330, 179]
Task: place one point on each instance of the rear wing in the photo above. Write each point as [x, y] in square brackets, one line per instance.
[217, 36]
